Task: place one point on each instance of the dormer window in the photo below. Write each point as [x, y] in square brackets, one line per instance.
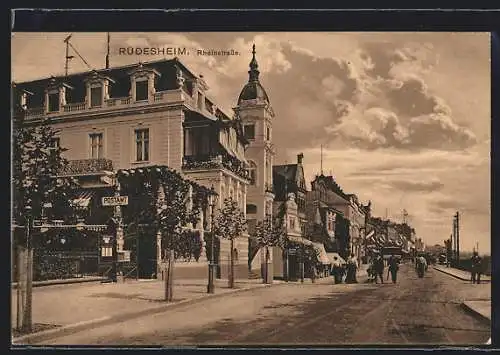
[24, 99]
[96, 96]
[143, 83]
[97, 89]
[54, 102]
[55, 95]
[141, 90]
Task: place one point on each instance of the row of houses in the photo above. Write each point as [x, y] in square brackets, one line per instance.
[161, 114]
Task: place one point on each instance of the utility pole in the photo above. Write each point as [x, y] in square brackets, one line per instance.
[454, 239]
[107, 52]
[458, 238]
[68, 57]
[321, 160]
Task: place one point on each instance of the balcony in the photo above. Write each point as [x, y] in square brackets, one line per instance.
[218, 161]
[161, 97]
[87, 167]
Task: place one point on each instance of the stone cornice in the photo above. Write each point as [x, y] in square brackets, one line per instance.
[112, 112]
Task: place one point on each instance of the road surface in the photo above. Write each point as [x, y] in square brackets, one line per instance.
[413, 311]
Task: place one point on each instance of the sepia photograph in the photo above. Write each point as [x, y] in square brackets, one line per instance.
[250, 189]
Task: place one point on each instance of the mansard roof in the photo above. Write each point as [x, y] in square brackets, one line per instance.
[120, 75]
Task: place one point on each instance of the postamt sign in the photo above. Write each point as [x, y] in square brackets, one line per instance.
[115, 201]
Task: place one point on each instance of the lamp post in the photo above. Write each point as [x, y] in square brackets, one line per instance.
[27, 319]
[211, 264]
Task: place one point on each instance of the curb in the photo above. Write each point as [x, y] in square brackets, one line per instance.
[458, 277]
[475, 313]
[77, 327]
[61, 282]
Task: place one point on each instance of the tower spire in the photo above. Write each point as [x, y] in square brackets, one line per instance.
[253, 73]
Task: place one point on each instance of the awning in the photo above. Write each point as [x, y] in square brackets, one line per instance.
[83, 198]
[299, 240]
[335, 258]
[322, 256]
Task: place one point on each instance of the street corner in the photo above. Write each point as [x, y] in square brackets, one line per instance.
[481, 309]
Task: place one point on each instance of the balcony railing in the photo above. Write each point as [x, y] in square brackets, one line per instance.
[79, 106]
[177, 95]
[87, 167]
[35, 112]
[216, 162]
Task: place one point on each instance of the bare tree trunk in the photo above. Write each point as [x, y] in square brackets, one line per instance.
[27, 319]
[266, 265]
[21, 285]
[231, 271]
[169, 276]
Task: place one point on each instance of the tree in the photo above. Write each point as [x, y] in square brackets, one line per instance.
[230, 223]
[270, 233]
[160, 197]
[37, 162]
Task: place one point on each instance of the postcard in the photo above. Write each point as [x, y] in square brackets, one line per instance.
[251, 188]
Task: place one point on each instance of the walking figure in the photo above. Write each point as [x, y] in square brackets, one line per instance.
[476, 268]
[352, 267]
[421, 266]
[379, 269]
[393, 268]
[371, 271]
[337, 270]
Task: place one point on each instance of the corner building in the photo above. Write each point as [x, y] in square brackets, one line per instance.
[256, 114]
[135, 116]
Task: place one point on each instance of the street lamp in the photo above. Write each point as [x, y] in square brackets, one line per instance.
[27, 319]
[211, 266]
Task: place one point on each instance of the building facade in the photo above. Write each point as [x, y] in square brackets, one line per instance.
[135, 116]
[256, 114]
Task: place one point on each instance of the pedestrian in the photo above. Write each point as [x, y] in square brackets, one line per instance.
[476, 268]
[393, 268]
[337, 270]
[352, 267]
[371, 270]
[379, 269]
[421, 266]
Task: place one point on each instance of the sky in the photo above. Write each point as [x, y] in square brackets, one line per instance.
[403, 118]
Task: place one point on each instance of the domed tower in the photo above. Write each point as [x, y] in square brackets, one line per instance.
[256, 114]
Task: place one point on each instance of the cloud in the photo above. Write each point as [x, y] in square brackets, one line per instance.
[270, 56]
[417, 186]
[440, 132]
[410, 96]
[370, 129]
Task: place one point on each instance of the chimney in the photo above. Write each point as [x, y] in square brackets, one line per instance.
[299, 158]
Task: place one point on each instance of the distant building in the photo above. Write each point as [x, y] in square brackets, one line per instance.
[350, 215]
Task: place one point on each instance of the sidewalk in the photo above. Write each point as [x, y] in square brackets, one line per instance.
[59, 307]
[459, 274]
[64, 281]
[476, 298]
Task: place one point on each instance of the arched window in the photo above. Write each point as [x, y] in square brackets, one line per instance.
[252, 170]
[251, 209]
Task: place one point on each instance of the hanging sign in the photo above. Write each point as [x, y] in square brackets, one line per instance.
[115, 201]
